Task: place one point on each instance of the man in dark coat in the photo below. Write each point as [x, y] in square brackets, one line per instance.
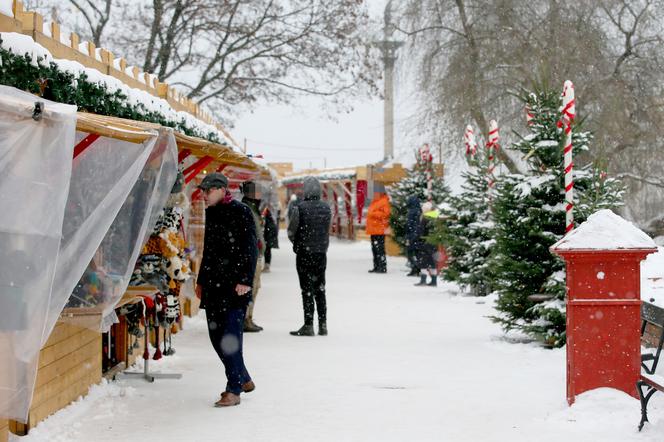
[225, 280]
[413, 234]
[309, 231]
[271, 235]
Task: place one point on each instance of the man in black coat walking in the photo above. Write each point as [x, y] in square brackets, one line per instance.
[309, 231]
[225, 280]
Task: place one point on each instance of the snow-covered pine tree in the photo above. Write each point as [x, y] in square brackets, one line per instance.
[466, 231]
[415, 183]
[529, 215]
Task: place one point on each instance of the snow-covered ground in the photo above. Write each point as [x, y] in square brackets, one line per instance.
[400, 363]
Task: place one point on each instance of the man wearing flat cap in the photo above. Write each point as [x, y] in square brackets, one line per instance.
[225, 280]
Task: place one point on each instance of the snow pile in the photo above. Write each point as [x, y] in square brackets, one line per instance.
[6, 7]
[20, 45]
[598, 413]
[102, 402]
[407, 382]
[604, 230]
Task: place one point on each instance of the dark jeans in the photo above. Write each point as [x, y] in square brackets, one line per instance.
[378, 250]
[225, 325]
[268, 255]
[311, 271]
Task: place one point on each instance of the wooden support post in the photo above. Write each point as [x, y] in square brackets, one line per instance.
[74, 41]
[162, 90]
[55, 31]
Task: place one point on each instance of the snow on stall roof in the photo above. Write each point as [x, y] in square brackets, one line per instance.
[6, 7]
[20, 44]
[604, 230]
[323, 175]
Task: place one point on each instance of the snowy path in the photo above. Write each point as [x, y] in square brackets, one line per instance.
[400, 363]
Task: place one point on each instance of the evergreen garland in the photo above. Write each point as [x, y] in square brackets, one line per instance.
[22, 72]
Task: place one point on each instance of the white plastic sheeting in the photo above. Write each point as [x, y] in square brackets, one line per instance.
[107, 276]
[102, 178]
[35, 171]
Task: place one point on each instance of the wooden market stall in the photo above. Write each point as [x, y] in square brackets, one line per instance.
[347, 190]
[71, 359]
[74, 356]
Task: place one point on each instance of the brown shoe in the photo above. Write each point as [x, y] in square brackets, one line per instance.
[228, 399]
[248, 387]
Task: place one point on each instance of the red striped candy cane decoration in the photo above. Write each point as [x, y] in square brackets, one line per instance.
[529, 116]
[427, 159]
[569, 112]
[492, 146]
[469, 139]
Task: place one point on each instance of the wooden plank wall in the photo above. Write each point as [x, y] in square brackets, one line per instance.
[191, 307]
[4, 430]
[69, 364]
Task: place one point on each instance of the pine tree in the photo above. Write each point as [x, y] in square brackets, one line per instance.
[529, 215]
[465, 230]
[415, 183]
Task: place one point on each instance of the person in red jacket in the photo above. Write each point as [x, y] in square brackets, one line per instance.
[378, 224]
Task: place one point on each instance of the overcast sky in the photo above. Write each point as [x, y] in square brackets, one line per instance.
[306, 136]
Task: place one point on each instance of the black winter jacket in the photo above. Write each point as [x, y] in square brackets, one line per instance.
[271, 232]
[309, 226]
[230, 252]
[413, 225]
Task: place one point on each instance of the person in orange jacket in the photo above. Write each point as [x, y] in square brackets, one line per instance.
[378, 224]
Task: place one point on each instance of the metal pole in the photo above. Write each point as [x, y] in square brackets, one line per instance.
[389, 48]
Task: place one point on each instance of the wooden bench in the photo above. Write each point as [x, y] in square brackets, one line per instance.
[652, 335]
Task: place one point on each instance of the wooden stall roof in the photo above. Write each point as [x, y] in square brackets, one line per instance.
[220, 153]
[131, 130]
[116, 128]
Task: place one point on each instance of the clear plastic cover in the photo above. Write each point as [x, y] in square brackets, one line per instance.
[102, 178]
[36, 149]
[107, 275]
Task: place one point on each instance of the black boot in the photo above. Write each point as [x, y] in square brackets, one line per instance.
[305, 330]
[322, 328]
[434, 281]
[414, 272]
[423, 281]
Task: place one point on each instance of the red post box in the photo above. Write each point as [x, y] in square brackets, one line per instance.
[602, 258]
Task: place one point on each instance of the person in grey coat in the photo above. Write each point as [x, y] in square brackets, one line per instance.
[309, 231]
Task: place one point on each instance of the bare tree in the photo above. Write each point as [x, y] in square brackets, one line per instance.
[472, 54]
[226, 53]
[97, 14]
